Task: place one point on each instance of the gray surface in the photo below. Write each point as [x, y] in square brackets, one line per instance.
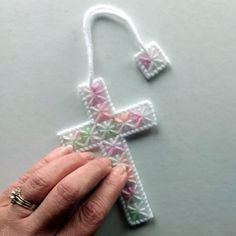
[188, 167]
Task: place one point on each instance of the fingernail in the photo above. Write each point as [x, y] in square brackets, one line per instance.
[121, 168]
[66, 150]
[87, 155]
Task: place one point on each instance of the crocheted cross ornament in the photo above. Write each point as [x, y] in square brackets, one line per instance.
[106, 130]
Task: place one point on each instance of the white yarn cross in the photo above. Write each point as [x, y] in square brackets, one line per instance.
[106, 131]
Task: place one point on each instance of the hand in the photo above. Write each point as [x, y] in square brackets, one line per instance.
[73, 191]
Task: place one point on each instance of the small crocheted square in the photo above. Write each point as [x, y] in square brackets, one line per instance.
[151, 61]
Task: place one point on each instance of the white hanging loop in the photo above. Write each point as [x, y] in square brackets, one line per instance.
[90, 16]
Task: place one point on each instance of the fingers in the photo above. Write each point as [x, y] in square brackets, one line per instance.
[43, 180]
[69, 191]
[89, 217]
[53, 155]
